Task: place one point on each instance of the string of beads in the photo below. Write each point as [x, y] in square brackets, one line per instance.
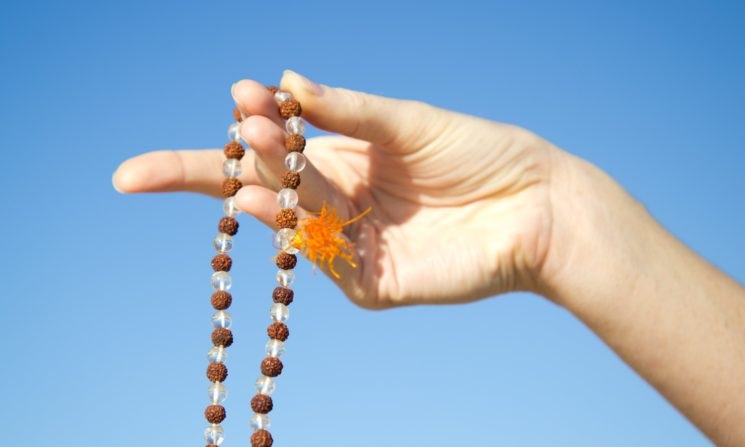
[286, 221]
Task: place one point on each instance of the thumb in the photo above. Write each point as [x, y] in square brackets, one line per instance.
[393, 123]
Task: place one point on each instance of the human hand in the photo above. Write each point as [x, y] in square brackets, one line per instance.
[461, 206]
[464, 208]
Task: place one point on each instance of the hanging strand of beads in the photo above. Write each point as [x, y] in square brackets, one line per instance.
[286, 259]
[222, 336]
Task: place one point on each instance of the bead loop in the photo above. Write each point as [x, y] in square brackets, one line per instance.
[221, 280]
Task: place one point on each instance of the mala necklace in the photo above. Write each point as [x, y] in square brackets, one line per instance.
[319, 238]
[289, 243]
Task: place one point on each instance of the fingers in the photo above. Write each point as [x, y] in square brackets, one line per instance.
[253, 98]
[200, 171]
[400, 125]
[178, 170]
[267, 140]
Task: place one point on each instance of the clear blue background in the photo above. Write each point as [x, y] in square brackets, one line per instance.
[105, 301]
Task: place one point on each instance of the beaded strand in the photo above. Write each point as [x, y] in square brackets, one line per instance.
[285, 260]
[286, 221]
[222, 336]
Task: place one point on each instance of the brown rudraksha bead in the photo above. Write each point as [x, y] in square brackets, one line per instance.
[261, 403]
[222, 262]
[261, 438]
[230, 186]
[222, 336]
[271, 366]
[278, 331]
[228, 225]
[285, 261]
[217, 372]
[295, 143]
[214, 414]
[221, 300]
[286, 218]
[237, 114]
[283, 295]
[291, 179]
[234, 150]
[290, 108]
[272, 89]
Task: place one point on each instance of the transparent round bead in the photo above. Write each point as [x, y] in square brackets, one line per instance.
[287, 198]
[232, 167]
[222, 281]
[279, 312]
[285, 278]
[295, 161]
[217, 393]
[275, 348]
[265, 385]
[230, 208]
[214, 434]
[283, 240]
[217, 354]
[295, 125]
[223, 242]
[222, 319]
[260, 422]
[234, 132]
[282, 96]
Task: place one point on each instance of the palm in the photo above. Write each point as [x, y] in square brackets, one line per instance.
[449, 222]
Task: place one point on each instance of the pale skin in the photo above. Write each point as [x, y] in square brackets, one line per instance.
[465, 208]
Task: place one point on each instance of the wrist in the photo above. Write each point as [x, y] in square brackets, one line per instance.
[599, 238]
[665, 311]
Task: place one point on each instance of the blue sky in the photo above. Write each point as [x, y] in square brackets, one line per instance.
[105, 309]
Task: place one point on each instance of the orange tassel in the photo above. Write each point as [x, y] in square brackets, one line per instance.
[320, 241]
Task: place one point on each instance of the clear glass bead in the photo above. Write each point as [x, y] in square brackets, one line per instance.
[295, 125]
[260, 422]
[287, 198]
[279, 312]
[217, 354]
[214, 434]
[295, 161]
[234, 132]
[230, 208]
[265, 385]
[217, 393]
[222, 319]
[275, 348]
[221, 281]
[282, 96]
[285, 278]
[232, 167]
[283, 240]
[223, 242]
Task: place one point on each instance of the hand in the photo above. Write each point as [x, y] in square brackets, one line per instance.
[460, 205]
[464, 208]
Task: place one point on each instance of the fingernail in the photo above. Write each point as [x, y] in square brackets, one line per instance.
[242, 199]
[310, 86]
[113, 183]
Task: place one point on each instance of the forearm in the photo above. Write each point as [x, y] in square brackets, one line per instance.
[674, 318]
